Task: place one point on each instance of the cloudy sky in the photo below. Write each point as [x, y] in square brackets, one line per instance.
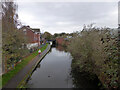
[57, 17]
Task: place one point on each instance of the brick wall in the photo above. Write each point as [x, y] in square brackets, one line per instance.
[32, 36]
[60, 40]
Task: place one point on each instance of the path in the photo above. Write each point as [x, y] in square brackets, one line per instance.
[13, 83]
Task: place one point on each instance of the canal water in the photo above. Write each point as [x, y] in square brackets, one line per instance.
[53, 71]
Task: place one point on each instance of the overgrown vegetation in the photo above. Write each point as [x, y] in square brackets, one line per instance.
[12, 38]
[95, 50]
[7, 76]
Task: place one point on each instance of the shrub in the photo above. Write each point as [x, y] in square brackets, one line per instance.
[95, 50]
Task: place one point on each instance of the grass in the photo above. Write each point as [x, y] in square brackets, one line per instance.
[7, 76]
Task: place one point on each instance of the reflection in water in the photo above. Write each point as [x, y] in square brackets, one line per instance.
[38, 66]
[81, 80]
[50, 50]
[61, 48]
[54, 71]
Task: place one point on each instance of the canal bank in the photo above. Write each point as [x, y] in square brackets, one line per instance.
[26, 78]
[19, 79]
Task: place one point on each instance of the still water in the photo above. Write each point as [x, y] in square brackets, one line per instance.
[53, 71]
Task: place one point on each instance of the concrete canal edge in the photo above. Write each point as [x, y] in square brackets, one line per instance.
[28, 75]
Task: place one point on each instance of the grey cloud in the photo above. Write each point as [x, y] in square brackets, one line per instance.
[77, 13]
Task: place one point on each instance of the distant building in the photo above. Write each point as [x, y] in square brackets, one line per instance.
[69, 36]
[37, 37]
[33, 36]
[62, 41]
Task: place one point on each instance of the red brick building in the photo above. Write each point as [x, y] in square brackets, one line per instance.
[36, 35]
[33, 36]
[62, 41]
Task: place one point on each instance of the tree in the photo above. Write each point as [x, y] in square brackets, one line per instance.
[62, 34]
[12, 38]
[47, 35]
[55, 35]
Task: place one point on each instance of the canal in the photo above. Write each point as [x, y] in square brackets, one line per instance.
[54, 71]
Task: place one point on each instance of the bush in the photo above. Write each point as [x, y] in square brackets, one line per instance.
[95, 51]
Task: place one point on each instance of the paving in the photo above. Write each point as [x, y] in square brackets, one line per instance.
[14, 82]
